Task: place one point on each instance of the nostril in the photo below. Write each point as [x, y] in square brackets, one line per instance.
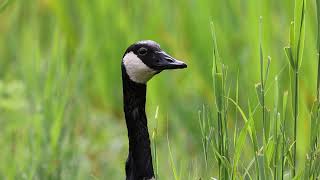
[169, 59]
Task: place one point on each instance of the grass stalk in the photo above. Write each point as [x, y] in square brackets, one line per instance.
[276, 133]
[260, 88]
[154, 142]
[220, 143]
[284, 110]
[262, 95]
[296, 94]
[219, 73]
[172, 164]
[295, 53]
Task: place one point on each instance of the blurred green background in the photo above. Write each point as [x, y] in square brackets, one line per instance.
[60, 81]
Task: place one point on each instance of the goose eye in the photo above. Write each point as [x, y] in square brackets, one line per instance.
[142, 51]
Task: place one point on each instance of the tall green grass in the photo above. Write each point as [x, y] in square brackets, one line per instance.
[61, 99]
[295, 55]
[275, 154]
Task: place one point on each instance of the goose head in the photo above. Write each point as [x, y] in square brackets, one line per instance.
[144, 59]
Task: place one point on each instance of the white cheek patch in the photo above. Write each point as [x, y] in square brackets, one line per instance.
[136, 69]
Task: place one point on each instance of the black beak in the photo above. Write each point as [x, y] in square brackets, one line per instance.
[165, 61]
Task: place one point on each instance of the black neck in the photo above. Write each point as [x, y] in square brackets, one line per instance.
[139, 162]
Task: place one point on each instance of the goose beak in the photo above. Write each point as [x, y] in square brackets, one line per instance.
[165, 61]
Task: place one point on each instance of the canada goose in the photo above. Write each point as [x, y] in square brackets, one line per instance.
[140, 62]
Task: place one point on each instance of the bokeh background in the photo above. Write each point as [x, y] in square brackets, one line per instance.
[60, 82]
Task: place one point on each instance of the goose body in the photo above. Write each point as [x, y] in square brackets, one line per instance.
[141, 61]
